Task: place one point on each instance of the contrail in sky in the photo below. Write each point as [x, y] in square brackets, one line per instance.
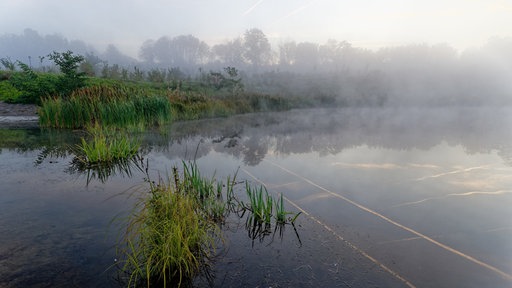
[252, 7]
[295, 11]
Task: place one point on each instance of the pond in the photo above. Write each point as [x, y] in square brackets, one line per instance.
[405, 197]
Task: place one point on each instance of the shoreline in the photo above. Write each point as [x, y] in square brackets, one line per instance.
[7, 109]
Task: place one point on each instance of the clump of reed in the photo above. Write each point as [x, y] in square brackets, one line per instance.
[167, 240]
[107, 106]
[104, 152]
[172, 232]
[105, 146]
[264, 210]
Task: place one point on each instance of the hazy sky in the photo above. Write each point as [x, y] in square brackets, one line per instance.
[364, 23]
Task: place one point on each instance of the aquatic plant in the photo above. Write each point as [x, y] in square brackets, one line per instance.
[173, 230]
[106, 147]
[214, 201]
[167, 240]
[261, 209]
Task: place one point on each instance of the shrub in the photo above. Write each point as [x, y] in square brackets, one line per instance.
[68, 65]
[31, 85]
[8, 93]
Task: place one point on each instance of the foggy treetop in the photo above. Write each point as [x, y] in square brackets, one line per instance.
[253, 49]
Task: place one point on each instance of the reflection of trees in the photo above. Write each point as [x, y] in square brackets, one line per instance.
[252, 137]
[331, 131]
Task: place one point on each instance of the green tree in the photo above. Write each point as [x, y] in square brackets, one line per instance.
[68, 65]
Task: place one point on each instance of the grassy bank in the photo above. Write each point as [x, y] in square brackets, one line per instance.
[140, 107]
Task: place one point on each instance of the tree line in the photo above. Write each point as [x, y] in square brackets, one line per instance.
[331, 72]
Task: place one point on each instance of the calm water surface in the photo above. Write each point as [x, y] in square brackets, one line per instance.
[389, 198]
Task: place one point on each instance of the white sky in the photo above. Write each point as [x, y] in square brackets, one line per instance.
[364, 23]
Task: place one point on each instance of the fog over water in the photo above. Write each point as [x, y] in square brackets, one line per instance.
[399, 146]
[404, 185]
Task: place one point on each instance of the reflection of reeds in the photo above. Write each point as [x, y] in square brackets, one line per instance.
[103, 171]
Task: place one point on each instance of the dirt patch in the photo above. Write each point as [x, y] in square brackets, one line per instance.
[7, 109]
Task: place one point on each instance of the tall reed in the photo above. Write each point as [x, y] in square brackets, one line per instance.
[107, 106]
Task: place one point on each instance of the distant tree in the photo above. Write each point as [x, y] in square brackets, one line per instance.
[174, 74]
[335, 54]
[111, 72]
[287, 53]
[306, 56]
[182, 51]
[189, 50]
[147, 52]
[229, 80]
[257, 50]
[156, 75]
[113, 55]
[68, 65]
[230, 53]
[88, 66]
[137, 74]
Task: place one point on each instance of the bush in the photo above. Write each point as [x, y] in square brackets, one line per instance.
[30, 86]
[8, 93]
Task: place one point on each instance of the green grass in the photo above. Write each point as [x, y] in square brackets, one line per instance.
[265, 212]
[167, 241]
[171, 234]
[106, 147]
[141, 105]
[214, 200]
[106, 106]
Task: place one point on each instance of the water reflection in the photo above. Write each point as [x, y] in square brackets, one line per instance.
[103, 171]
[327, 132]
[435, 170]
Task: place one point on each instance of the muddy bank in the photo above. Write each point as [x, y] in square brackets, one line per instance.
[18, 115]
[7, 109]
